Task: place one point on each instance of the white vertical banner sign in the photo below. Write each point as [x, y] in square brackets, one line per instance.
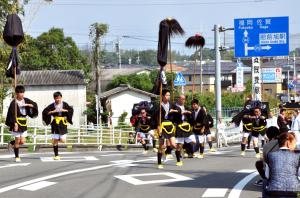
[256, 79]
[239, 77]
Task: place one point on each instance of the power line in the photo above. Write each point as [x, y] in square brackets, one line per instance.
[159, 4]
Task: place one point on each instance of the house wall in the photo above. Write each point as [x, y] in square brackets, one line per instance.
[123, 102]
[74, 95]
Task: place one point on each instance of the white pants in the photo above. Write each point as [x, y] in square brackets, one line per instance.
[19, 134]
[58, 136]
[190, 139]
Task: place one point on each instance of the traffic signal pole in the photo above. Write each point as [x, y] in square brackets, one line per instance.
[217, 80]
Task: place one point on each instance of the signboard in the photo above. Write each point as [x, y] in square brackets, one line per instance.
[258, 37]
[271, 75]
[179, 80]
[239, 76]
[256, 79]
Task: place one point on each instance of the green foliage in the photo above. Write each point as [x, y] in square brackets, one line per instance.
[97, 31]
[122, 117]
[209, 54]
[52, 51]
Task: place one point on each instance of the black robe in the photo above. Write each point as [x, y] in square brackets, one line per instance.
[61, 127]
[11, 118]
[198, 121]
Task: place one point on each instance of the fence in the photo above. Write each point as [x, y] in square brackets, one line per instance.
[87, 135]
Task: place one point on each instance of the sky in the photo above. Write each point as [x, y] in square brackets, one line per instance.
[139, 19]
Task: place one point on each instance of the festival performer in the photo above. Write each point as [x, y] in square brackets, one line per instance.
[59, 114]
[16, 118]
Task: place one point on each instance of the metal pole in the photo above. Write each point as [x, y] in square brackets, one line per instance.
[288, 81]
[119, 53]
[201, 80]
[217, 78]
[295, 76]
[97, 110]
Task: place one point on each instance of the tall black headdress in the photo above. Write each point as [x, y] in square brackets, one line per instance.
[167, 28]
[13, 35]
[196, 41]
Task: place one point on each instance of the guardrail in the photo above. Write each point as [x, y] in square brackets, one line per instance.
[86, 135]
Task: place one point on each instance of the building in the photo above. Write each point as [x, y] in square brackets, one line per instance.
[122, 99]
[40, 86]
[107, 75]
[228, 75]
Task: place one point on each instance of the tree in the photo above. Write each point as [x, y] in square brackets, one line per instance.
[52, 51]
[97, 30]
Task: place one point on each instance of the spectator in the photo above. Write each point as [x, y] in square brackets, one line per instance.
[283, 168]
[272, 132]
[272, 120]
[282, 122]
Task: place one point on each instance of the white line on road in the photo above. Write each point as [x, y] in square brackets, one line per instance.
[14, 165]
[237, 189]
[11, 187]
[246, 171]
[111, 155]
[69, 159]
[37, 186]
[215, 192]
[133, 180]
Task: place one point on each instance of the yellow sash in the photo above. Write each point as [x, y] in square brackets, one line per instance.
[168, 124]
[59, 119]
[20, 119]
[185, 126]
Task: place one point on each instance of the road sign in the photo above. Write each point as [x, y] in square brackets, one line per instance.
[179, 80]
[239, 75]
[257, 37]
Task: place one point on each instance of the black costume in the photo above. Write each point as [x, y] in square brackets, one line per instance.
[167, 127]
[181, 121]
[21, 117]
[259, 126]
[198, 122]
[60, 119]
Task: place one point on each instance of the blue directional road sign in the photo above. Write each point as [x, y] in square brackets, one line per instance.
[179, 80]
[257, 37]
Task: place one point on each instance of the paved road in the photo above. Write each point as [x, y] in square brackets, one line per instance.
[128, 175]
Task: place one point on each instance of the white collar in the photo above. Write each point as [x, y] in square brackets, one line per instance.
[284, 148]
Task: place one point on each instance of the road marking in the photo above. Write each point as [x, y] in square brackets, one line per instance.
[246, 171]
[122, 161]
[215, 192]
[110, 155]
[37, 186]
[133, 180]
[14, 165]
[237, 189]
[14, 186]
[69, 159]
[127, 165]
[67, 153]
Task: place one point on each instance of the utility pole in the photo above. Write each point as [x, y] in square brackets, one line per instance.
[288, 80]
[295, 76]
[218, 79]
[119, 54]
[218, 92]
